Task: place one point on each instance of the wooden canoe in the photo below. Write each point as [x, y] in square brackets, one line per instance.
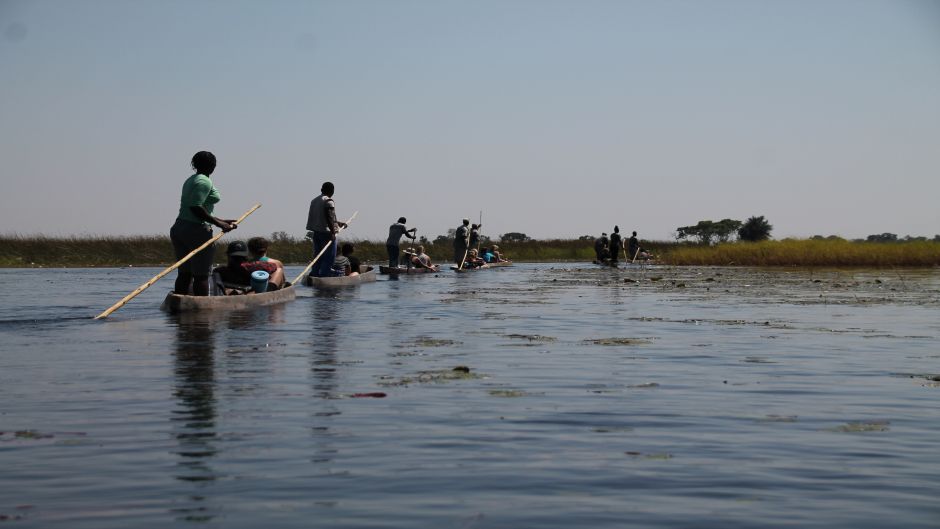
[465, 269]
[366, 275]
[413, 270]
[175, 303]
[500, 263]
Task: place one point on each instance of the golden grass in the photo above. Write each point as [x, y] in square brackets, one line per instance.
[800, 252]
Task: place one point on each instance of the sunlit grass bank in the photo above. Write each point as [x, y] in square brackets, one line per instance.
[33, 251]
[808, 253]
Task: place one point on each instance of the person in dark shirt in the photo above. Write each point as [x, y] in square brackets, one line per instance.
[600, 248]
[615, 246]
[461, 237]
[349, 263]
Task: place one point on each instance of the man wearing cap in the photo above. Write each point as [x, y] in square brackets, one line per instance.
[461, 238]
[395, 231]
[322, 228]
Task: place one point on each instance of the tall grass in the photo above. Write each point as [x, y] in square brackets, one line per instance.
[22, 251]
[793, 252]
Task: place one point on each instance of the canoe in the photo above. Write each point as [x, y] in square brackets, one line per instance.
[175, 303]
[501, 263]
[465, 269]
[398, 271]
[366, 275]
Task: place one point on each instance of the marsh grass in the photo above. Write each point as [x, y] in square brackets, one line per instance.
[156, 250]
[803, 252]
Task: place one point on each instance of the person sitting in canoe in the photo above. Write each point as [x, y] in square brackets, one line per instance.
[488, 255]
[258, 251]
[473, 260]
[236, 274]
[499, 256]
[419, 259]
[346, 264]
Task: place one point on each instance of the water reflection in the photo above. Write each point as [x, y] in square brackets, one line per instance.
[195, 418]
[326, 312]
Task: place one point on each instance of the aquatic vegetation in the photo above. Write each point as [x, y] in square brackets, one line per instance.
[859, 427]
[507, 393]
[662, 456]
[432, 377]
[618, 341]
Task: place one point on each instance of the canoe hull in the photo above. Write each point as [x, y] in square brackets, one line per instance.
[175, 303]
[366, 275]
[385, 270]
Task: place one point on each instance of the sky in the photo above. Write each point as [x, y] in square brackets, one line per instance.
[555, 118]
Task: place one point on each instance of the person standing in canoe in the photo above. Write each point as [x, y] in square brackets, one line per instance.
[633, 247]
[461, 238]
[600, 248]
[395, 231]
[475, 236]
[615, 246]
[323, 227]
[193, 227]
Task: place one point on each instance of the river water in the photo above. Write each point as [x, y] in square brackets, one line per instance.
[582, 397]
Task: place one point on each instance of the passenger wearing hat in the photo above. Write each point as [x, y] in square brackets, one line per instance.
[237, 271]
[461, 240]
[395, 231]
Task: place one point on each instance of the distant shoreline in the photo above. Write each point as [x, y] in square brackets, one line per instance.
[156, 251]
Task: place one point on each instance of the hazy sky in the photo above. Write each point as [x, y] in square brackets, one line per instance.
[555, 118]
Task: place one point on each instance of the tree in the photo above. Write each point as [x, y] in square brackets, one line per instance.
[707, 230]
[513, 236]
[884, 237]
[755, 229]
[281, 236]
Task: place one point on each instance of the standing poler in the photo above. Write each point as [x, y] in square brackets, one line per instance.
[395, 231]
[615, 246]
[193, 227]
[475, 236]
[323, 226]
[461, 237]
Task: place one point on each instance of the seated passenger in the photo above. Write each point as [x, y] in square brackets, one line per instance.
[488, 255]
[421, 259]
[354, 264]
[472, 260]
[258, 250]
[236, 274]
[499, 257]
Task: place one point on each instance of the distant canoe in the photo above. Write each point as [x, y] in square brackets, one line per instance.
[398, 271]
[466, 269]
[500, 263]
[175, 303]
[366, 275]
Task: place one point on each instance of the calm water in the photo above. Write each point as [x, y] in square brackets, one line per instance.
[595, 398]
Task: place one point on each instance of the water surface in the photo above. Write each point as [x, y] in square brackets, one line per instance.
[583, 397]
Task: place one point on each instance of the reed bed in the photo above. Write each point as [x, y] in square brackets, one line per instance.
[813, 253]
[156, 250]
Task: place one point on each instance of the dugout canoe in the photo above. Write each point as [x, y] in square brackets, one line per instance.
[387, 270]
[500, 263]
[465, 269]
[176, 303]
[366, 275]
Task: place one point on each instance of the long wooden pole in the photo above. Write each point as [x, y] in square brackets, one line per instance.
[322, 251]
[146, 285]
[634, 255]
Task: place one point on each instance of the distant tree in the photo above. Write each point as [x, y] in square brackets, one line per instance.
[817, 238]
[281, 236]
[884, 237]
[936, 238]
[422, 240]
[755, 229]
[908, 238]
[708, 230]
[513, 236]
[834, 238]
[586, 238]
[443, 239]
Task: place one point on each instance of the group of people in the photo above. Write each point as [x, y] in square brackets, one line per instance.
[193, 228]
[608, 249]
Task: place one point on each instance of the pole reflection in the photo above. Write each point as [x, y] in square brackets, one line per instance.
[195, 417]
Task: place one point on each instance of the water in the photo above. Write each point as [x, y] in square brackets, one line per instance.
[648, 397]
